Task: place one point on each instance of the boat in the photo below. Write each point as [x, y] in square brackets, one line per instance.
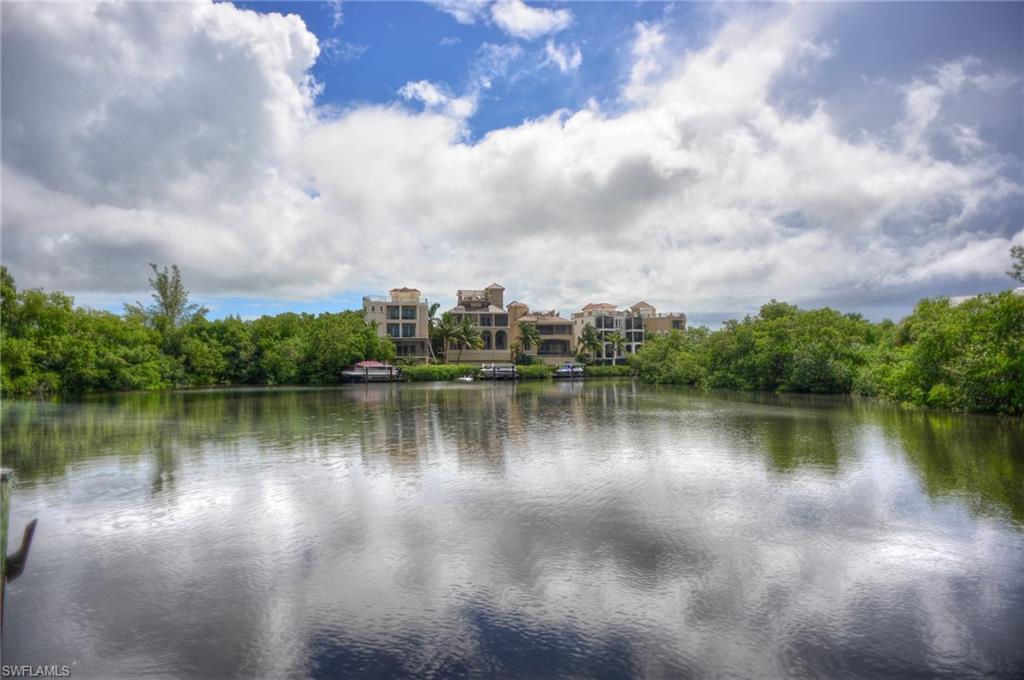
[498, 372]
[464, 378]
[371, 371]
[569, 370]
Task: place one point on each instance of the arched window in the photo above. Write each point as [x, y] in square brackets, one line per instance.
[500, 340]
[486, 335]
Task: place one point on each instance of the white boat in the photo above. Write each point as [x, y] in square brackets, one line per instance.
[569, 370]
[498, 372]
[371, 371]
[464, 378]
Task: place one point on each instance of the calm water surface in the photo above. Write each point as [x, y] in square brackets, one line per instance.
[604, 530]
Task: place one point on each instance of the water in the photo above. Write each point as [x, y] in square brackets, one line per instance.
[604, 530]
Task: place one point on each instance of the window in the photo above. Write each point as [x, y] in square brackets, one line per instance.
[500, 340]
[501, 320]
[677, 325]
[393, 330]
[408, 312]
[486, 335]
[408, 330]
[393, 311]
[485, 319]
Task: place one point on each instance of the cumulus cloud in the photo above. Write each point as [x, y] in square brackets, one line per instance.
[923, 98]
[189, 133]
[564, 57]
[520, 20]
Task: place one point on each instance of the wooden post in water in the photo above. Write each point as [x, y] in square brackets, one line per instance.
[5, 505]
[12, 565]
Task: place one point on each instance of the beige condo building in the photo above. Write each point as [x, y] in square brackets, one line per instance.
[403, 318]
[557, 341]
[485, 310]
[634, 324]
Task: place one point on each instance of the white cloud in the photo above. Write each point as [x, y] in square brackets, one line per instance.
[564, 57]
[336, 49]
[437, 97]
[520, 20]
[337, 16]
[464, 11]
[188, 133]
[923, 99]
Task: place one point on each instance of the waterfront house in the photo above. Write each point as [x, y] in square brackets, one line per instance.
[634, 324]
[660, 324]
[403, 318]
[486, 312]
[557, 341]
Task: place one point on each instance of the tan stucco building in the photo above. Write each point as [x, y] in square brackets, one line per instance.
[557, 341]
[402, 317]
[485, 310]
[634, 324]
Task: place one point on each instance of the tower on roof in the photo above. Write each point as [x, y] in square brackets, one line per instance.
[495, 294]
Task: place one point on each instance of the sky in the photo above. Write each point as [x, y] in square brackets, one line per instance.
[703, 157]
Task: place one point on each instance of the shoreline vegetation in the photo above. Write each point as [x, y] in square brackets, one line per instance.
[963, 357]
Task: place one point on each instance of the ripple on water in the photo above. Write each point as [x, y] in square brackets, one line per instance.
[608, 530]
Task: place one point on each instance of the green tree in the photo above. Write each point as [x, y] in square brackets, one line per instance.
[467, 336]
[529, 336]
[589, 341]
[618, 342]
[1017, 268]
[445, 331]
[171, 308]
[431, 323]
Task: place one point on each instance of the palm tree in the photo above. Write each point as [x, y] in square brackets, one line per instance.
[445, 331]
[588, 341]
[618, 343]
[529, 335]
[466, 335]
[431, 323]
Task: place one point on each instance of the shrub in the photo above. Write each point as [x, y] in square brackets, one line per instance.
[436, 372]
[608, 371]
[536, 372]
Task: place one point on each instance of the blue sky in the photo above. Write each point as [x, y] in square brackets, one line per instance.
[704, 157]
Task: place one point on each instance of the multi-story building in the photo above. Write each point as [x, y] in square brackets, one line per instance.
[607, 320]
[557, 341]
[634, 324]
[404, 319]
[485, 310]
[660, 324]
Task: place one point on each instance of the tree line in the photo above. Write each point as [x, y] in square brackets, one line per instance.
[964, 357]
[968, 356]
[51, 347]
